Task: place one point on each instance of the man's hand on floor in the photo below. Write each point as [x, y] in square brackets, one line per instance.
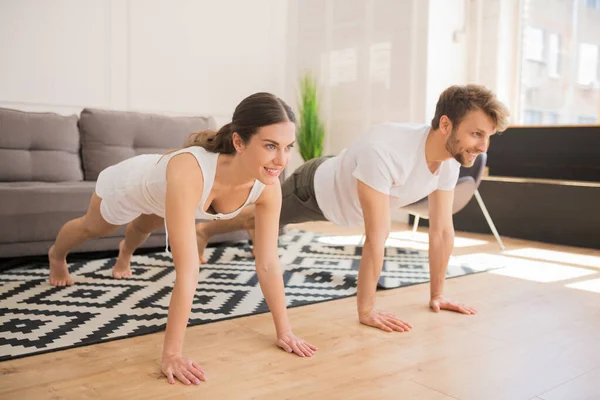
[440, 303]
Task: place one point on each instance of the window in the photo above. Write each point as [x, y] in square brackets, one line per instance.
[559, 63]
[551, 118]
[532, 117]
[380, 63]
[586, 120]
[587, 73]
[553, 55]
[343, 66]
[592, 4]
[534, 44]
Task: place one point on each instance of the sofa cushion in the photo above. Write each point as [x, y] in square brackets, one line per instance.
[38, 147]
[31, 211]
[109, 137]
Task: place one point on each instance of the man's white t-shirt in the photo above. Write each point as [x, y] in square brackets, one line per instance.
[390, 158]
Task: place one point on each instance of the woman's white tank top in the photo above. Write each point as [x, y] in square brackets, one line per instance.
[143, 181]
[154, 184]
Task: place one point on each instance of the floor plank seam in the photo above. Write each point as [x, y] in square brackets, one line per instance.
[565, 382]
[435, 390]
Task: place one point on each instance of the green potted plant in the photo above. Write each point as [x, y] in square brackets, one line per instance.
[311, 129]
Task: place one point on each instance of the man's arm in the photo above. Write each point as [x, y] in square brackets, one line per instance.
[376, 212]
[441, 244]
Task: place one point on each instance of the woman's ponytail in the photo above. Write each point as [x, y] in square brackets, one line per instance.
[215, 142]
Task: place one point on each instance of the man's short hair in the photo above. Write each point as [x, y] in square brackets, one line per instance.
[456, 101]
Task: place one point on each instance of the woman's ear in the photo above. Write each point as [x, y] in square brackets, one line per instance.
[238, 142]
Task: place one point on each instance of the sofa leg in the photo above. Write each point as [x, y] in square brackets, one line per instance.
[416, 223]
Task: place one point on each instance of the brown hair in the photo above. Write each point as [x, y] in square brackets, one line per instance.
[255, 111]
[456, 101]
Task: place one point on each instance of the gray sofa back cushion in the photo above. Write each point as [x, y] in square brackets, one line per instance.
[109, 137]
[38, 147]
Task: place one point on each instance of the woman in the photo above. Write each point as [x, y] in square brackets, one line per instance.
[214, 177]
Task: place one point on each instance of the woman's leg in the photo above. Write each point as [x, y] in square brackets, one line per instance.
[72, 234]
[206, 230]
[137, 232]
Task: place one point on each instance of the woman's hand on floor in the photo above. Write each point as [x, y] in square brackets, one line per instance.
[184, 369]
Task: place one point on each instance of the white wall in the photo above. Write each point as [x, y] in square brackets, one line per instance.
[170, 56]
[447, 49]
[378, 60]
[368, 55]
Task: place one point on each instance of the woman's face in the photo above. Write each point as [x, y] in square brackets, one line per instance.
[268, 151]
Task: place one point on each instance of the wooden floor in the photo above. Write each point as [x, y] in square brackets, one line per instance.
[533, 338]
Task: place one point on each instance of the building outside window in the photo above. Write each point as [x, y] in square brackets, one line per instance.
[560, 63]
[532, 117]
[554, 55]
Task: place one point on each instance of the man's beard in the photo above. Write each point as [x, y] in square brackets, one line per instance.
[457, 152]
[453, 147]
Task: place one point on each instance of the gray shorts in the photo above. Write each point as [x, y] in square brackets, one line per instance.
[299, 201]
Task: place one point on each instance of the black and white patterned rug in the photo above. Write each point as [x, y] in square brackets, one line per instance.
[37, 318]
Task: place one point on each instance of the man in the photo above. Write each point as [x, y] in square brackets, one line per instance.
[391, 166]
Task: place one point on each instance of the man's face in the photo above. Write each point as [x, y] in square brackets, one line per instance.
[471, 137]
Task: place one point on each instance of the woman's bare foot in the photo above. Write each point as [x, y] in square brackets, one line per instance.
[59, 270]
[201, 240]
[122, 266]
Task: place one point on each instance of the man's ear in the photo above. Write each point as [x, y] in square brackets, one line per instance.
[445, 125]
[238, 142]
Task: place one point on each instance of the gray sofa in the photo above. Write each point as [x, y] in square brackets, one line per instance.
[49, 164]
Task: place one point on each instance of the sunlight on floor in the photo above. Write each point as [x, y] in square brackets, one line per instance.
[537, 271]
[511, 263]
[556, 256]
[402, 239]
[353, 240]
[406, 244]
[592, 285]
[423, 237]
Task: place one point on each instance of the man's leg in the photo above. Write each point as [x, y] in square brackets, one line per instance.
[206, 230]
[299, 202]
[298, 205]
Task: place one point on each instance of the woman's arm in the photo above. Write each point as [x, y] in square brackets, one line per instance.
[185, 185]
[268, 208]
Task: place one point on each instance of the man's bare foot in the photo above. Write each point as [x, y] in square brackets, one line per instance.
[202, 241]
[59, 270]
[122, 266]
